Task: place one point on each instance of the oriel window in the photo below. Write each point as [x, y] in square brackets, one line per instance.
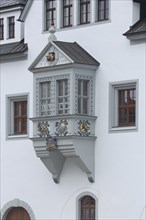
[84, 11]
[50, 13]
[67, 13]
[1, 28]
[11, 27]
[103, 10]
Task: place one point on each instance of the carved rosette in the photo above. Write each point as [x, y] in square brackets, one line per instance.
[43, 129]
[61, 128]
[84, 127]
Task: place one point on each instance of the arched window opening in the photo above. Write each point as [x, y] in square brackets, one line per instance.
[87, 208]
[18, 213]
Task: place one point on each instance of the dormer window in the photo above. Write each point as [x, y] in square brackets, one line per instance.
[1, 28]
[11, 27]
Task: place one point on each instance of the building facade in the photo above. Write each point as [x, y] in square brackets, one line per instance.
[73, 109]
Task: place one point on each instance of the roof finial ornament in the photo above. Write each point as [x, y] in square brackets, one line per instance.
[52, 30]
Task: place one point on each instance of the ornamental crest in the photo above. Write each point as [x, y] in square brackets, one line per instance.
[50, 56]
[43, 128]
[51, 143]
[61, 128]
[84, 127]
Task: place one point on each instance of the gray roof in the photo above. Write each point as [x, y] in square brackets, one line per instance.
[76, 53]
[138, 28]
[13, 48]
[10, 3]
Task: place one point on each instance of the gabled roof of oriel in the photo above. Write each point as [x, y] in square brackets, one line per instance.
[10, 3]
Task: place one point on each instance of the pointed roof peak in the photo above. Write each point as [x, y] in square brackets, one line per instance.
[52, 31]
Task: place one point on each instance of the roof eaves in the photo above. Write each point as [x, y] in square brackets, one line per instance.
[25, 10]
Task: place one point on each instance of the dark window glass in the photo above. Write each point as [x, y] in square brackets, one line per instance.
[11, 24]
[87, 208]
[20, 117]
[103, 10]
[1, 28]
[126, 107]
[50, 13]
[67, 13]
[84, 11]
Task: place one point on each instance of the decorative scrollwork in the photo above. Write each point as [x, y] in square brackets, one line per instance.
[61, 128]
[43, 129]
[84, 127]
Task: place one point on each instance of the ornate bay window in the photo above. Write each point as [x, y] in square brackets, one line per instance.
[64, 120]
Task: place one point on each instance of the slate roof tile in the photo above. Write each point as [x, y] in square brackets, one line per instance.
[138, 27]
[8, 3]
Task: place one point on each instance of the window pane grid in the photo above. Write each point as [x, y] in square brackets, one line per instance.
[20, 117]
[1, 28]
[11, 24]
[84, 11]
[87, 208]
[45, 98]
[63, 97]
[126, 107]
[103, 10]
[67, 13]
[50, 13]
[83, 96]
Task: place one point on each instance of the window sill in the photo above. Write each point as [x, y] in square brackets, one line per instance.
[20, 136]
[123, 129]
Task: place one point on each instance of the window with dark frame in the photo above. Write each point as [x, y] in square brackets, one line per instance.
[84, 11]
[63, 97]
[87, 208]
[67, 13]
[83, 96]
[20, 117]
[1, 28]
[126, 107]
[11, 27]
[50, 13]
[103, 10]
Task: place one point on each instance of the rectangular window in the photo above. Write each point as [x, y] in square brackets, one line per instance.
[17, 115]
[84, 11]
[103, 10]
[123, 106]
[83, 96]
[20, 117]
[63, 97]
[50, 13]
[67, 13]
[45, 98]
[11, 27]
[1, 28]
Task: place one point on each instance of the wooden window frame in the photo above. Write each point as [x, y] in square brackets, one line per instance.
[114, 107]
[20, 117]
[87, 15]
[1, 28]
[89, 207]
[105, 10]
[126, 106]
[50, 12]
[67, 7]
[11, 27]
[12, 117]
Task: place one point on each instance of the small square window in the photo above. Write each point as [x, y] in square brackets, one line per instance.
[17, 115]
[123, 106]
